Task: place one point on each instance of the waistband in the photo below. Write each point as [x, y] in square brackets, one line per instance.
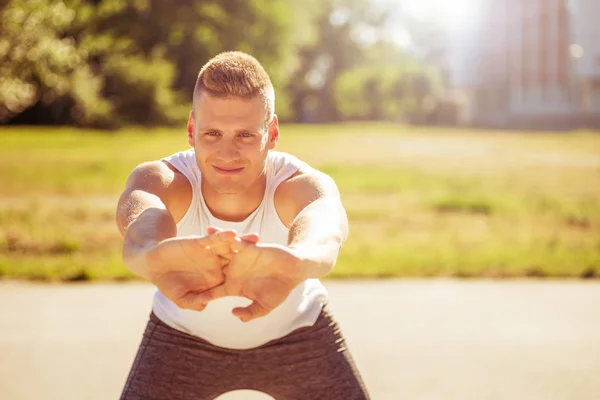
[324, 322]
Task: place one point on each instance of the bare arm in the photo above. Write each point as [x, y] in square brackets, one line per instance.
[182, 268]
[142, 215]
[319, 224]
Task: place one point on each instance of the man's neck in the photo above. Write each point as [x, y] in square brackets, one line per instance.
[234, 207]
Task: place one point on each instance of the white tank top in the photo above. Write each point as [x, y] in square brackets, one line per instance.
[216, 324]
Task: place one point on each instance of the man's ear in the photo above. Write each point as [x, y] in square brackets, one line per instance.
[273, 133]
[190, 129]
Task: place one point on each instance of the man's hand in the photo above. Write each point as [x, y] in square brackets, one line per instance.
[265, 274]
[184, 267]
[226, 252]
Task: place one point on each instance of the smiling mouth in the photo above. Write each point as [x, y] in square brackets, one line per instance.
[228, 171]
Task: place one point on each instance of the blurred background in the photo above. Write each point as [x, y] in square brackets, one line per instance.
[460, 133]
[464, 134]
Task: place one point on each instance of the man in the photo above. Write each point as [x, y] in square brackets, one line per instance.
[235, 237]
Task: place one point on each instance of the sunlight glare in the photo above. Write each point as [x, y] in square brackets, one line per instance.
[453, 13]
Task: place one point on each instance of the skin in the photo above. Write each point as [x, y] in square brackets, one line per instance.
[231, 141]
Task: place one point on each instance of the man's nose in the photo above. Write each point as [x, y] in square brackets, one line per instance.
[228, 151]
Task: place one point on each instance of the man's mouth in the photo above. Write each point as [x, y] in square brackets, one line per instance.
[227, 170]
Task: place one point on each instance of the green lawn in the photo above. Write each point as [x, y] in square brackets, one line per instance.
[421, 201]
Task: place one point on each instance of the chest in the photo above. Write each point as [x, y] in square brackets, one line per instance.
[265, 221]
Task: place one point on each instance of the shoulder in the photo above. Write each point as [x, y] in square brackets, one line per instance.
[302, 188]
[281, 161]
[156, 176]
[163, 180]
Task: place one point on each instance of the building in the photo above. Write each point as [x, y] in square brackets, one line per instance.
[529, 63]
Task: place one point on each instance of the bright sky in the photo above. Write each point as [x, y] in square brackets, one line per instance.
[452, 13]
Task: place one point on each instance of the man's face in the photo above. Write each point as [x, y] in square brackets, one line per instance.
[231, 138]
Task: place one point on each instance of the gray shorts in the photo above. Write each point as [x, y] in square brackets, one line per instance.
[309, 363]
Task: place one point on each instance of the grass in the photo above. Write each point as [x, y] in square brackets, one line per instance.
[421, 201]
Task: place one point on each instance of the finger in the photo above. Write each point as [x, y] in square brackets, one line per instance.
[222, 250]
[226, 250]
[193, 301]
[224, 262]
[253, 311]
[228, 236]
[220, 239]
[213, 229]
[250, 238]
[241, 245]
[212, 294]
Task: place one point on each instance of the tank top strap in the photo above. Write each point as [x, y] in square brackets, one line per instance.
[282, 166]
[185, 162]
[193, 221]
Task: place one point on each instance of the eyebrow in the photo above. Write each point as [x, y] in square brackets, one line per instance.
[255, 129]
[241, 130]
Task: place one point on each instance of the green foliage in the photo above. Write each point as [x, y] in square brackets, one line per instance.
[108, 62]
[352, 71]
[339, 26]
[140, 89]
[39, 64]
[405, 91]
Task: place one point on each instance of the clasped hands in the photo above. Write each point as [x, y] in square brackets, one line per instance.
[192, 271]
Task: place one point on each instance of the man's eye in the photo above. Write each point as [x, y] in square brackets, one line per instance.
[211, 134]
[246, 134]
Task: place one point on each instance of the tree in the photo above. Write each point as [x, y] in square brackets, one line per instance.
[338, 45]
[40, 66]
[110, 62]
[395, 92]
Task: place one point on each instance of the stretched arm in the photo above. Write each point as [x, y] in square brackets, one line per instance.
[180, 267]
[320, 224]
[142, 216]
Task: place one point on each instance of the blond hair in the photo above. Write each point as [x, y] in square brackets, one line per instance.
[236, 74]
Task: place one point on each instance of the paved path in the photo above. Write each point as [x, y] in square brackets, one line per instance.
[426, 340]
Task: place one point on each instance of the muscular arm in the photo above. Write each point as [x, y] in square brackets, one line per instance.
[319, 224]
[142, 215]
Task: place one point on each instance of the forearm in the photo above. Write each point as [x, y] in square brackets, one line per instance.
[144, 229]
[316, 236]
